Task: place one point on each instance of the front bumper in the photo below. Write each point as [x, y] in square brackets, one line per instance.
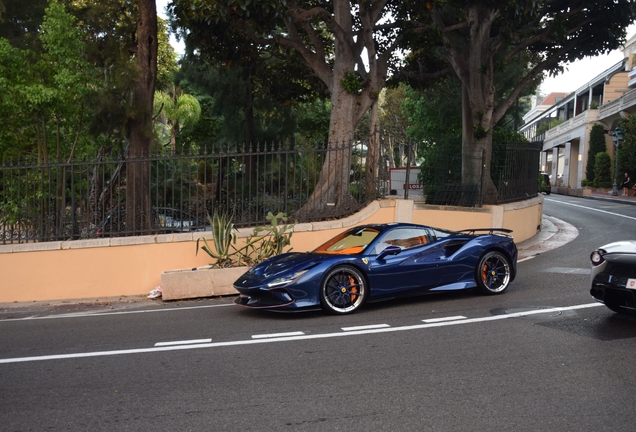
[263, 299]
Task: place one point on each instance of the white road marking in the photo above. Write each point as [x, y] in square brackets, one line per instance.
[277, 335]
[593, 209]
[185, 342]
[88, 314]
[367, 327]
[525, 259]
[296, 338]
[451, 318]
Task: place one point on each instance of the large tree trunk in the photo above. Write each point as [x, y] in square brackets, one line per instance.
[138, 212]
[476, 153]
[331, 196]
[473, 64]
[373, 155]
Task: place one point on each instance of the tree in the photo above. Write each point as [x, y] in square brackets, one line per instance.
[138, 214]
[312, 121]
[597, 145]
[477, 38]
[109, 30]
[20, 21]
[176, 110]
[435, 124]
[45, 91]
[391, 115]
[331, 39]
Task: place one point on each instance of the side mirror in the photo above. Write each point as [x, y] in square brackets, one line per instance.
[390, 250]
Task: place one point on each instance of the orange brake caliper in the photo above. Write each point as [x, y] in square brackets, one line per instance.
[352, 282]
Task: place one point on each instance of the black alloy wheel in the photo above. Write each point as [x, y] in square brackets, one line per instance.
[493, 273]
[343, 290]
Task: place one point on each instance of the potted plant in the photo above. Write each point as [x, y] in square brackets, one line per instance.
[230, 261]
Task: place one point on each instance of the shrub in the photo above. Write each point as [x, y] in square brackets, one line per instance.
[264, 243]
[597, 145]
[602, 169]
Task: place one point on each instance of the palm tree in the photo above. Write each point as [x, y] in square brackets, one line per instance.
[176, 109]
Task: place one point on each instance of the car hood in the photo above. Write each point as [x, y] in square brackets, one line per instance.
[285, 263]
[621, 247]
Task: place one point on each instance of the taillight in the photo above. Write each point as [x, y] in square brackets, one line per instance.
[597, 257]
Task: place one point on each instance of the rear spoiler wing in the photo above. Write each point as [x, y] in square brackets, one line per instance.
[488, 230]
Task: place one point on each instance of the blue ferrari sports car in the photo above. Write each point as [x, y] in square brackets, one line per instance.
[379, 262]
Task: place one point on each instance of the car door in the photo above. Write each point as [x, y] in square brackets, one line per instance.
[412, 269]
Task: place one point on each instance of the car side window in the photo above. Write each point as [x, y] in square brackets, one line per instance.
[405, 238]
[441, 233]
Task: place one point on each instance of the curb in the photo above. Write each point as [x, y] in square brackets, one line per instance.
[554, 234]
[612, 199]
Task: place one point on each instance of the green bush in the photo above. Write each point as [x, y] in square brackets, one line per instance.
[597, 145]
[602, 169]
[541, 183]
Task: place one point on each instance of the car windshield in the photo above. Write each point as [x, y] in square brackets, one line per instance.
[349, 242]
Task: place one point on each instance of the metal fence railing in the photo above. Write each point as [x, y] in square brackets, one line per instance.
[83, 199]
[513, 170]
[516, 175]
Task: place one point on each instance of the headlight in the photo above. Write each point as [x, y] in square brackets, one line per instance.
[286, 279]
[597, 257]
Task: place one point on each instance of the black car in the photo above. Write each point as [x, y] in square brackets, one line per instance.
[164, 220]
[614, 276]
[545, 183]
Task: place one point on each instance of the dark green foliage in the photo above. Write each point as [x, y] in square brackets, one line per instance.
[352, 83]
[45, 90]
[603, 170]
[546, 125]
[20, 21]
[312, 121]
[479, 42]
[205, 172]
[435, 123]
[244, 105]
[434, 114]
[597, 145]
[627, 152]
[68, 76]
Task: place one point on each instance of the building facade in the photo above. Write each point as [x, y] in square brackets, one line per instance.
[563, 121]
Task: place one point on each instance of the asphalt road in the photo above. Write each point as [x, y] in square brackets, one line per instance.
[541, 357]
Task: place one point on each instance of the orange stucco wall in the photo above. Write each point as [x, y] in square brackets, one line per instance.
[453, 220]
[132, 266]
[524, 222]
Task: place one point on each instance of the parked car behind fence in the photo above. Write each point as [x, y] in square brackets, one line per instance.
[164, 219]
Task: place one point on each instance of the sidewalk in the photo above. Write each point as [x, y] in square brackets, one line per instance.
[554, 233]
[631, 200]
